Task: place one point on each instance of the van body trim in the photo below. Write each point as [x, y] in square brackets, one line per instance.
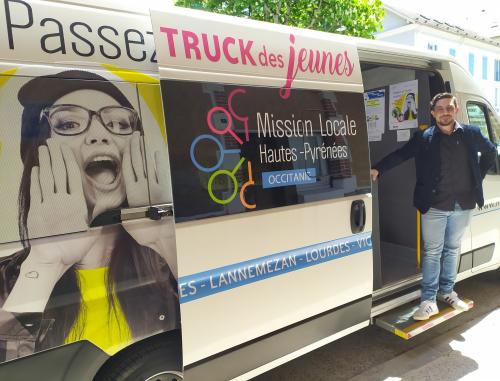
[394, 59]
[272, 347]
[301, 352]
[218, 77]
[206, 283]
[393, 288]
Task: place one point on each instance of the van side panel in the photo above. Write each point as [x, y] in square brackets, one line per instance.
[66, 34]
[83, 158]
[261, 258]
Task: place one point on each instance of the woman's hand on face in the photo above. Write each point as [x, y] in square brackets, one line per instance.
[57, 206]
[157, 235]
[136, 176]
[159, 184]
[134, 172]
[57, 202]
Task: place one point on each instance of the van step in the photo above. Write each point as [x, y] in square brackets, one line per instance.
[401, 323]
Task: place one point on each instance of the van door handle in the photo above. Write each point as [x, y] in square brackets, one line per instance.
[358, 216]
[158, 212]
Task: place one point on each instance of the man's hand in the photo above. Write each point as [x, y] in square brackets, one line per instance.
[374, 174]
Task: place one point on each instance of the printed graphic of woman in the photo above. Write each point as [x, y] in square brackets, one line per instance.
[410, 107]
[82, 151]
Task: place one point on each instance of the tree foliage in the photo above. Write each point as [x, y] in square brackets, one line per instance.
[360, 18]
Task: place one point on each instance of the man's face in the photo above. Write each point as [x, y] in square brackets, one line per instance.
[98, 152]
[445, 112]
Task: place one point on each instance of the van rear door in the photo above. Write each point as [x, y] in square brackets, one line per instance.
[270, 175]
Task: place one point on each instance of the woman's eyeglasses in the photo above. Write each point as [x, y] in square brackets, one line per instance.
[69, 119]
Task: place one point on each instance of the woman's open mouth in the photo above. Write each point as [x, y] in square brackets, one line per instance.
[103, 171]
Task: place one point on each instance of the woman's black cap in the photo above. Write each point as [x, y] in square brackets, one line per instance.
[49, 88]
[43, 91]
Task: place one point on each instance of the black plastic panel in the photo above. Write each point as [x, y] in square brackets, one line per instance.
[465, 262]
[483, 255]
[74, 362]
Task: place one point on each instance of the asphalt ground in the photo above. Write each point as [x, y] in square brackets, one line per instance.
[462, 348]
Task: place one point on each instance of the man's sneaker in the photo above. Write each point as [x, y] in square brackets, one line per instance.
[427, 309]
[454, 301]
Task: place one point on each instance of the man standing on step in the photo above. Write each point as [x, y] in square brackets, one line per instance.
[449, 175]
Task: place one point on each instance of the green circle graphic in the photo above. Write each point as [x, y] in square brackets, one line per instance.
[211, 180]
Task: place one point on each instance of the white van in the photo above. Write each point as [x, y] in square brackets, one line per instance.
[254, 238]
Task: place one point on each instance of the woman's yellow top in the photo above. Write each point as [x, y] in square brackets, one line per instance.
[98, 322]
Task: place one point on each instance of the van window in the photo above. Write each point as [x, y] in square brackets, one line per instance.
[487, 121]
[243, 148]
[477, 117]
[495, 126]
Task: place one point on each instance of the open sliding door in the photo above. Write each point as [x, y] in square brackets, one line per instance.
[271, 189]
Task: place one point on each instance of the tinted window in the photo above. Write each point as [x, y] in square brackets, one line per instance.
[477, 117]
[239, 148]
[495, 126]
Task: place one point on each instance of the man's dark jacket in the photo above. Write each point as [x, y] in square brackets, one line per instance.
[424, 146]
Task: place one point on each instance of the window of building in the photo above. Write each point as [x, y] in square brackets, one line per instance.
[432, 46]
[453, 52]
[497, 70]
[485, 67]
[471, 63]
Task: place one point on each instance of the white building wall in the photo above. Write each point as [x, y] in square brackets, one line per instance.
[392, 21]
[427, 38]
[440, 41]
[406, 38]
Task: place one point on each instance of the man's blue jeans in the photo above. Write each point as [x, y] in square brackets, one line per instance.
[442, 232]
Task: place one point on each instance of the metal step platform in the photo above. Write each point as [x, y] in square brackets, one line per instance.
[400, 322]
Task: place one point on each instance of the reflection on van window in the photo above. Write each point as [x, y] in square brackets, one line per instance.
[242, 148]
[477, 118]
[495, 126]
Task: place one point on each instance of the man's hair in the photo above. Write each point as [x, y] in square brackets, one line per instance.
[440, 96]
